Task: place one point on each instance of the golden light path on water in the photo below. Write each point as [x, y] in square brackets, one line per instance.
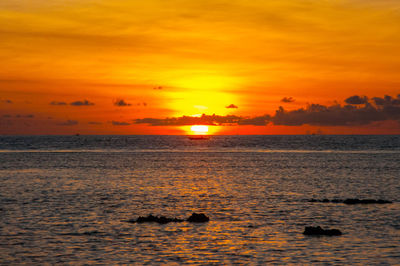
[71, 206]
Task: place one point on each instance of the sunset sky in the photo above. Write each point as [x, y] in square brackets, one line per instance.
[242, 67]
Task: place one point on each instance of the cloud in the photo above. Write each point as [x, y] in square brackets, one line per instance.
[287, 100]
[357, 100]
[7, 101]
[68, 123]
[255, 121]
[19, 116]
[24, 116]
[386, 100]
[116, 123]
[354, 114]
[335, 115]
[82, 103]
[379, 109]
[58, 103]
[231, 106]
[121, 103]
[94, 123]
[202, 120]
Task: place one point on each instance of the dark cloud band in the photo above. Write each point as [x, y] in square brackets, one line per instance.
[121, 103]
[81, 103]
[68, 123]
[358, 110]
[117, 123]
[203, 120]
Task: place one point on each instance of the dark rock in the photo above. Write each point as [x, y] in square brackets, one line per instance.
[155, 219]
[336, 201]
[366, 201]
[352, 201]
[318, 200]
[198, 218]
[194, 218]
[322, 201]
[91, 233]
[381, 201]
[317, 231]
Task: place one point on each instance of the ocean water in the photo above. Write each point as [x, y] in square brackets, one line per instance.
[67, 199]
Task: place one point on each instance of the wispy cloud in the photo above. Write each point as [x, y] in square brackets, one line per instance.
[75, 103]
[287, 100]
[68, 123]
[117, 123]
[231, 106]
[94, 123]
[7, 101]
[25, 116]
[81, 103]
[19, 116]
[58, 103]
[121, 103]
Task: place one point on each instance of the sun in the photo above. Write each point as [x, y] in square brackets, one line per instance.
[199, 129]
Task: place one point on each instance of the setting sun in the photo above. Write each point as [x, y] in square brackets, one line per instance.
[199, 129]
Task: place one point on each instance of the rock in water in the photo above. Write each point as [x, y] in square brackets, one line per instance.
[317, 230]
[366, 201]
[155, 219]
[194, 218]
[337, 201]
[198, 218]
[352, 201]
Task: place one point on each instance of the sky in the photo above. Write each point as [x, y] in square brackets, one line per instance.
[238, 66]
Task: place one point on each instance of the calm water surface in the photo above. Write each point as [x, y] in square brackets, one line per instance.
[67, 199]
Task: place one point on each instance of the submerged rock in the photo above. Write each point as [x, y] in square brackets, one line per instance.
[155, 219]
[198, 218]
[317, 231]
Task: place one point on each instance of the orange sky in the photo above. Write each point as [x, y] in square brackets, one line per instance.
[100, 67]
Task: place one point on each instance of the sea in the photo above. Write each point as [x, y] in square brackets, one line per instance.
[69, 200]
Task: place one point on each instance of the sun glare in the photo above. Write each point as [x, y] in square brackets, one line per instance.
[199, 129]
